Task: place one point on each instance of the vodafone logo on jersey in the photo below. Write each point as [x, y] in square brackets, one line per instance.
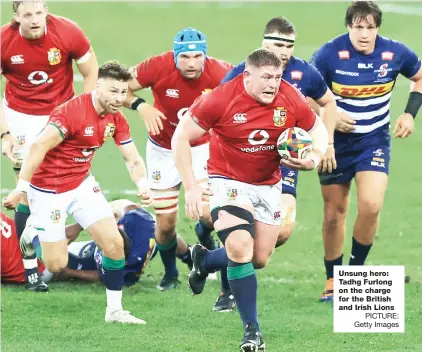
[258, 138]
[17, 59]
[39, 77]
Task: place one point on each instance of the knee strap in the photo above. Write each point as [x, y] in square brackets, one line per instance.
[238, 212]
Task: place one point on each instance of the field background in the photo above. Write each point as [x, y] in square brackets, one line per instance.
[71, 317]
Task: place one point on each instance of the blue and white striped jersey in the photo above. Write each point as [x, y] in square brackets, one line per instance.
[363, 84]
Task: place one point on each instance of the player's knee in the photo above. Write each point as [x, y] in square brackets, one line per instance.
[56, 264]
[113, 248]
[235, 228]
[369, 207]
[261, 261]
[335, 212]
[166, 224]
[285, 233]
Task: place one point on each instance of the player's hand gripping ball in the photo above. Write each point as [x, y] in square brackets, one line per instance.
[294, 143]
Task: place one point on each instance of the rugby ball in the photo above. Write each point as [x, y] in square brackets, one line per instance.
[294, 143]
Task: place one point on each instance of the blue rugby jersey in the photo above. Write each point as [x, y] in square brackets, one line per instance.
[302, 75]
[363, 84]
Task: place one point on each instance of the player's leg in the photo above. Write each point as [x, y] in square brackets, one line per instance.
[25, 128]
[204, 227]
[288, 204]
[92, 211]
[336, 202]
[371, 182]
[183, 252]
[165, 186]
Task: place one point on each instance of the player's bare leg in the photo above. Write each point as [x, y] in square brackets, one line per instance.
[288, 222]
[336, 202]
[371, 187]
[166, 204]
[54, 255]
[105, 233]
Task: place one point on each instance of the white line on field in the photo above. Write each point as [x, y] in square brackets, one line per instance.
[402, 9]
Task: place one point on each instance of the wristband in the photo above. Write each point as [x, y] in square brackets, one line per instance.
[137, 101]
[22, 186]
[413, 104]
[4, 134]
[142, 183]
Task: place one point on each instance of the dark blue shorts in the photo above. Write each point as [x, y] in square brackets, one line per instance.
[349, 163]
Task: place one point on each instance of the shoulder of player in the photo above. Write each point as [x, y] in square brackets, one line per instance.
[61, 22]
[164, 60]
[8, 30]
[288, 90]
[73, 106]
[219, 63]
[390, 44]
[336, 44]
[296, 63]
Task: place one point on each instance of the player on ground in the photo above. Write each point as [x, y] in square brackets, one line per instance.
[280, 37]
[176, 78]
[37, 52]
[12, 269]
[56, 176]
[136, 227]
[361, 68]
[244, 172]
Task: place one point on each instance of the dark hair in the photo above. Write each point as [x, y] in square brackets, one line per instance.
[263, 57]
[114, 70]
[126, 240]
[16, 4]
[279, 25]
[360, 10]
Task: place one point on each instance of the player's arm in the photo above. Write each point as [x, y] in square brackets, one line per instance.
[8, 141]
[49, 138]
[137, 170]
[144, 75]
[88, 67]
[186, 131]
[411, 69]
[72, 232]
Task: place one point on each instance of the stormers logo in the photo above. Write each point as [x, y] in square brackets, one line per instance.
[54, 56]
[280, 116]
[156, 176]
[232, 193]
[55, 215]
[109, 131]
[362, 91]
[206, 90]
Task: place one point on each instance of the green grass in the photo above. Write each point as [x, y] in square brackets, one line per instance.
[71, 317]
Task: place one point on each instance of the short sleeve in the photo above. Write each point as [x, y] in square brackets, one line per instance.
[80, 44]
[317, 85]
[122, 134]
[60, 120]
[234, 72]
[205, 110]
[320, 61]
[410, 63]
[147, 72]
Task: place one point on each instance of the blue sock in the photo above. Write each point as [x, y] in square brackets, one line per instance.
[37, 246]
[225, 286]
[113, 273]
[214, 260]
[203, 232]
[244, 286]
[168, 257]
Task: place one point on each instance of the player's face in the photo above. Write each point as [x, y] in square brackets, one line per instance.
[32, 17]
[363, 33]
[284, 50]
[111, 94]
[190, 64]
[263, 83]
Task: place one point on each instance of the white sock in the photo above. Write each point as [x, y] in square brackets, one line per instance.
[30, 263]
[114, 300]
